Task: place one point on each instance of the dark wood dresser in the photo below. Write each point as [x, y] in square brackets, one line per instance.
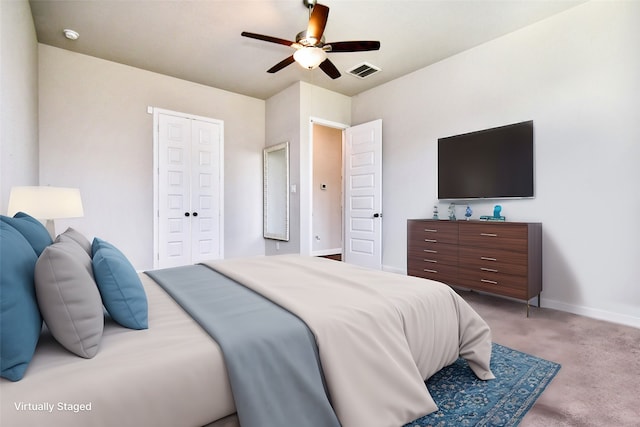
[502, 258]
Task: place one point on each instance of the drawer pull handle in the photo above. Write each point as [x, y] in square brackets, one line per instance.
[493, 282]
[430, 260]
[431, 251]
[429, 271]
[490, 270]
[430, 230]
[431, 240]
[486, 258]
[489, 234]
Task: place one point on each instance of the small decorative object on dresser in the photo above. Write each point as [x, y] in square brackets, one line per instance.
[452, 212]
[435, 212]
[468, 212]
[502, 258]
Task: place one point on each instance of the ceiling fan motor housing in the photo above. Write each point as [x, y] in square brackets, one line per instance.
[302, 39]
[309, 3]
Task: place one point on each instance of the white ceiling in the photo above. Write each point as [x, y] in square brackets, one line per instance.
[200, 40]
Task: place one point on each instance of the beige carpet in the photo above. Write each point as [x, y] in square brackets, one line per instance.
[599, 382]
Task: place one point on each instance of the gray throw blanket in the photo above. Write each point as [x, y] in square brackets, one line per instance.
[271, 356]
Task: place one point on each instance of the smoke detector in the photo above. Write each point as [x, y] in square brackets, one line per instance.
[70, 34]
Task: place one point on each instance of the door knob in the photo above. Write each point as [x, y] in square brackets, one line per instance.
[377, 215]
[187, 214]
[195, 214]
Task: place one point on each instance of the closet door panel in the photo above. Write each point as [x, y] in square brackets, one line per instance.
[174, 188]
[205, 170]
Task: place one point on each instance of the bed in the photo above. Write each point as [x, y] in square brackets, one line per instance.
[173, 373]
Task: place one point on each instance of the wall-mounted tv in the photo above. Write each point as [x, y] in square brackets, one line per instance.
[493, 163]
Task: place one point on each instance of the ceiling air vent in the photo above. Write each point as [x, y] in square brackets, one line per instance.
[363, 70]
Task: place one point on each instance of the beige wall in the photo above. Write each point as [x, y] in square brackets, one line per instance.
[576, 76]
[282, 125]
[289, 117]
[18, 99]
[96, 134]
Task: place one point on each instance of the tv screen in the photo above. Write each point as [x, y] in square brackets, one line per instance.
[488, 164]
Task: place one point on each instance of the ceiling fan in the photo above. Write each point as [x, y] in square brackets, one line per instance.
[311, 49]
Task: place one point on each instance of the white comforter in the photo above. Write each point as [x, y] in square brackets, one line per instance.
[379, 334]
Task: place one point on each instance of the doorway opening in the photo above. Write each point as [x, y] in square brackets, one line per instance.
[327, 191]
[361, 198]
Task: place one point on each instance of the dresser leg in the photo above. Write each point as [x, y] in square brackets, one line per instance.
[529, 306]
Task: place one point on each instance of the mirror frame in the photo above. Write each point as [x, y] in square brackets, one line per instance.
[276, 192]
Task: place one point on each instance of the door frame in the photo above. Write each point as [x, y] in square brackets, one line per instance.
[306, 196]
[156, 173]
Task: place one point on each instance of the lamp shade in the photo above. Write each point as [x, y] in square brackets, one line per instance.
[310, 57]
[46, 202]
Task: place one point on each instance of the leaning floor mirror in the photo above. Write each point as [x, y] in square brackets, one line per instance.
[276, 192]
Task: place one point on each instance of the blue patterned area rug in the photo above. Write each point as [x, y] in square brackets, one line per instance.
[464, 400]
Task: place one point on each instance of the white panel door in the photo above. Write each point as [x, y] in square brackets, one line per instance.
[174, 191]
[363, 195]
[189, 190]
[205, 188]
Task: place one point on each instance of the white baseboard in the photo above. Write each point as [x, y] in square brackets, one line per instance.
[594, 313]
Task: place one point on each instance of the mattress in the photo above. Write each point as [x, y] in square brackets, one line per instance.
[172, 374]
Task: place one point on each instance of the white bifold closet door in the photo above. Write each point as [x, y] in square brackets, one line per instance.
[189, 190]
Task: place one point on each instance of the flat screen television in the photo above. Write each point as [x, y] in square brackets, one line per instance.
[493, 163]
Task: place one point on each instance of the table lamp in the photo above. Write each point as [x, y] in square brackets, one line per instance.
[46, 203]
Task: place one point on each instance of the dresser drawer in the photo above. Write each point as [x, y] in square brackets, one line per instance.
[433, 231]
[494, 260]
[511, 237]
[440, 272]
[500, 283]
[434, 252]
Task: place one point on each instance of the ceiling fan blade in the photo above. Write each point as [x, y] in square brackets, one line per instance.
[355, 46]
[317, 21]
[280, 65]
[330, 69]
[267, 38]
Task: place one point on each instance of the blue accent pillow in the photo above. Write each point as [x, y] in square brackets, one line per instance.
[20, 320]
[120, 287]
[32, 229]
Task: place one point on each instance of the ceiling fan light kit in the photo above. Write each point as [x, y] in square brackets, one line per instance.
[310, 57]
[311, 49]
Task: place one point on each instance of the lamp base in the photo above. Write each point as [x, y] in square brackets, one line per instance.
[51, 228]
